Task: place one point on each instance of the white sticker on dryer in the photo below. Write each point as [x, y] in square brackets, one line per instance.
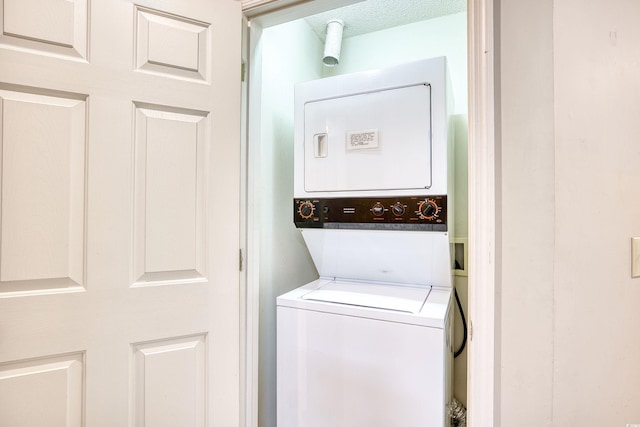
[362, 139]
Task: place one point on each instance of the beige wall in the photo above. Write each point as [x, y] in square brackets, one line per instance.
[526, 201]
[597, 152]
[569, 202]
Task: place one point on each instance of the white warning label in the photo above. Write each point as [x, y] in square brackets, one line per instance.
[362, 139]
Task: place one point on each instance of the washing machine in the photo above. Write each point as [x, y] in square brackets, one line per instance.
[369, 342]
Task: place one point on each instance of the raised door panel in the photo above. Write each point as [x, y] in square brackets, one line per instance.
[172, 45]
[57, 385]
[170, 148]
[53, 27]
[42, 209]
[169, 387]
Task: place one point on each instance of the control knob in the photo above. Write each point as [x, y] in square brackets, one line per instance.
[397, 209]
[306, 209]
[377, 209]
[427, 209]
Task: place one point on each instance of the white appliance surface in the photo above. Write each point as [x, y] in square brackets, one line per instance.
[365, 299]
[358, 139]
[344, 364]
[399, 117]
[408, 299]
[368, 344]
[392, 256]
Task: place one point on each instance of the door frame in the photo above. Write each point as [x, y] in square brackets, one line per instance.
[483, 385]
[483, 162]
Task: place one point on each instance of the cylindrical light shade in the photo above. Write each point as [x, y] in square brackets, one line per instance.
[333, 43]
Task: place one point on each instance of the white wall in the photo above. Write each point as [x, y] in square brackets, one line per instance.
[597, 161]
[570, 201]
[527, 213]
[290, 54]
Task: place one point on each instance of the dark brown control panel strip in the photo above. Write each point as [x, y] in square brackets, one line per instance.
[428, 213]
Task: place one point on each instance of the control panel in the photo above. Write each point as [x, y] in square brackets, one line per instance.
[393, 213]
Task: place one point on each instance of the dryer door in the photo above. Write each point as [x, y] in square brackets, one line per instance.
[377, 140]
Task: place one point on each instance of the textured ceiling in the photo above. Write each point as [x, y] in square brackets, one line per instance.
[374, 15]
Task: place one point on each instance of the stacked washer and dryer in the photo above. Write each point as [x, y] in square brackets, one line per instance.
[369, 343]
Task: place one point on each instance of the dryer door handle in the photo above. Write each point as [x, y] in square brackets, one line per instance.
[320, 145]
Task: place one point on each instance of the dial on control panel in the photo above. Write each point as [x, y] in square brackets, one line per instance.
[306, 209]
[397, 209]
[428, 209]
[377, 209]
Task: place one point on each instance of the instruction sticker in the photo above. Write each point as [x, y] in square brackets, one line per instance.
[362, 139]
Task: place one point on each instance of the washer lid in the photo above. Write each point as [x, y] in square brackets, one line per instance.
[418, 258]
[406, 299]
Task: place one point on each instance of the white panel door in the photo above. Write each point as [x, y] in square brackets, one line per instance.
[119, 213]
